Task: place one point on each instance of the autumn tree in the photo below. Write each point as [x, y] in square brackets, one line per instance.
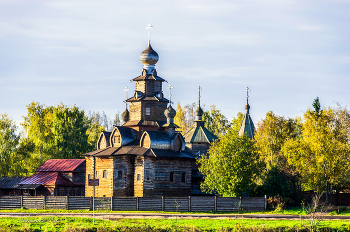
[279, 177]
[216, 122]
[231, 165]
[184, 117]
[321, 155]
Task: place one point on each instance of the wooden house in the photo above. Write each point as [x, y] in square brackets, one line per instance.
[56, 177]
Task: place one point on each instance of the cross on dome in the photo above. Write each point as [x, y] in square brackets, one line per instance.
[149, 27]
[170, 87]
[126, 89]
[199, 96]
[248, 90]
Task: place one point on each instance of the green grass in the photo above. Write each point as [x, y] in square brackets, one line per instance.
[345, 211]
[291, 211]
[164, 225]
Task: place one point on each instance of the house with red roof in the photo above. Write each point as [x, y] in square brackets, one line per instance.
[56, 177]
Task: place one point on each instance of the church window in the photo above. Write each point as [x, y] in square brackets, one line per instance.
[89, 176]
[183, 177]
[148, 111]
[120, 174]
[138, 177]
[104, 174]
[171, 176]
[116, 139]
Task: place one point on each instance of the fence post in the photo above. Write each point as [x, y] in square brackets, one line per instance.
[21, 202]
[215, 204]
[44, 202]
[67, 202]
[189, 203]
[137, 203]
[111, 203]
[240, 204]
[265, 203]
[162, 203]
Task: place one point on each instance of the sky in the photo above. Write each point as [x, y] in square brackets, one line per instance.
[288, 52]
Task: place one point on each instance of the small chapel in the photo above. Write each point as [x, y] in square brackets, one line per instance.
[146, 156]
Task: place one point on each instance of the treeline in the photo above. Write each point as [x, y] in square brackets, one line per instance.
[288, 155]
[48, 132]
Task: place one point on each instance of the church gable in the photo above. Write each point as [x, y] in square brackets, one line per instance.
[103, 141]
[121, 136]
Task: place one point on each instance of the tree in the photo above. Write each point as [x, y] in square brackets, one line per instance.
[117, 121]
[231, 165]
[184, 117]
[322, 154]
[69, 127]
[9, 141]
[94, 130]
[216, 122]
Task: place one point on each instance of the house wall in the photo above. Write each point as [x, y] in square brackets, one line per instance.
[157, 177]
[198, 147]
[123, 186]
[139, 172]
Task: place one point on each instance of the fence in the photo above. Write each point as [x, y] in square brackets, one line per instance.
[342, 199]
[192, 203]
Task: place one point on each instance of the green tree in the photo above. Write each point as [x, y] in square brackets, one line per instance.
[231, 165]
[9, 141]
[117, 121]
[69, 127]
[216, 122]
[94, 130]
[321, 155]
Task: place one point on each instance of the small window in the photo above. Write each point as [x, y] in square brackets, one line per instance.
[183, 177]
[104, 175]
[148, 111]
[171, 176]
[138, 177]
[89, 176]
[120, 174]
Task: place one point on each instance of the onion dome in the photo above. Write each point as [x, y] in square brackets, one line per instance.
[170, 112]
[125, 115]
[149, 56]
[199, 111]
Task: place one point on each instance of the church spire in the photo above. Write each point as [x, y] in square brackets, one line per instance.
[247, 125]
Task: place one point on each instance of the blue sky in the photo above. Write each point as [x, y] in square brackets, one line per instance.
[85, 52]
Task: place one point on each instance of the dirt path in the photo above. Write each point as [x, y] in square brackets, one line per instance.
[116, 216]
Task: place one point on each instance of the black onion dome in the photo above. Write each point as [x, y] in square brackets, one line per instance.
[149, 56]
[199, 111]
[247, 107]
[170, 112]
[125, 115]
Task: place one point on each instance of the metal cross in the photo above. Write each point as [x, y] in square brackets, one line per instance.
[248, 90]
[199, 96]
[126, 89]
[170, 87]
[149, 27]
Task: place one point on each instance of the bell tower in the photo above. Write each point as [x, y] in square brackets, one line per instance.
[147, 105]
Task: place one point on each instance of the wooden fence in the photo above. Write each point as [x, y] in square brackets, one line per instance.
[192, 203]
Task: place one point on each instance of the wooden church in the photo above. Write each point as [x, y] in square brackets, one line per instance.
[146, 156]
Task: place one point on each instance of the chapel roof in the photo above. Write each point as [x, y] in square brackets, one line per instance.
[199, 134]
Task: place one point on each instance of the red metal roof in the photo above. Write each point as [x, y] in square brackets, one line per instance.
[47, 178]
[60, 165]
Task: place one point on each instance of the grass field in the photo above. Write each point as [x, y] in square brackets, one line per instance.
[128, 225]
[292, 211]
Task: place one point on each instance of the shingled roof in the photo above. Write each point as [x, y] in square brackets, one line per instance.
[199, 134]
[47, 178]
[247, 125]
[10, 182]
[60, 165]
